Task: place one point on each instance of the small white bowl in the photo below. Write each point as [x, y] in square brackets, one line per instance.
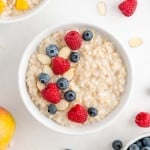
[133, 140]
[85, 129]
[25, 15]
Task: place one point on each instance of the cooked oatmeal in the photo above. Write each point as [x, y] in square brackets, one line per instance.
[98, 78]
[11, 8]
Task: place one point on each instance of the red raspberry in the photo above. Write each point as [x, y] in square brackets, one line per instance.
[128, 7]
[78, 114]
[143, 119]
[60, 65]
[73, 39]
[51, 93]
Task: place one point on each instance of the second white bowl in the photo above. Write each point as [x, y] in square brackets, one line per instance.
[25, 15]
[133, 140]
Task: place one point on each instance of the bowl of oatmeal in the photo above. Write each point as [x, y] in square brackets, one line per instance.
[75, 79]
[17, 10]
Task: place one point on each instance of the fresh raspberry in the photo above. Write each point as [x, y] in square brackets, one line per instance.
[60, 65]
[78, 114]
[128, 7]
[73, 39]
[51, 93]
[143, 119]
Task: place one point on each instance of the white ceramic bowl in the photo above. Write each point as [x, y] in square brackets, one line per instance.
[133, 140]
[90, 128]
[24, 16]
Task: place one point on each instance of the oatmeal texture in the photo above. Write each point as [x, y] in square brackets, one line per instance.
[11, 11]
[99, 77]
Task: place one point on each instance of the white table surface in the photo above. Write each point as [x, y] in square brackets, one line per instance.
[30, 134]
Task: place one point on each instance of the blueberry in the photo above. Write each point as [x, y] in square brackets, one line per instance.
[146, 148]
[44, 78]
[87, 35]
[52, 50]
[117, 145]
[139, 144]
[92, 111]
[146, 141]
[75, 57]
[70, 95]
[134, 147]
[62, 83]
[52, 109]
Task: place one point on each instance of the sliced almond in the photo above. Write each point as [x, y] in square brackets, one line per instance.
[101, 6]
[40, 85]
[44, 59]
[62, 105]
[135, 42]
[11, 2]
[64, 52]
[48, 70]
[69, 74]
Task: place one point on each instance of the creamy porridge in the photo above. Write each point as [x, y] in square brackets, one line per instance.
[16, 7]
[79, 86]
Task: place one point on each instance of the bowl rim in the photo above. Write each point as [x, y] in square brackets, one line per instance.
[71, 130]
[135, 138]
[26, 15]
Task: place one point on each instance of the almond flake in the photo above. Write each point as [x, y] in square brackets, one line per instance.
[48, 70]
[101, 8]
[135, 42]
[64, 52]
[40, 85]
[69, 74]
[62, 105]
[44, 59]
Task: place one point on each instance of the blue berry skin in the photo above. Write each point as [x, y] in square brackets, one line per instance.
[146, 148]
[87, 35]
[139, 144]
[74, 57]
[70, 96]
[62, 83]
[117, 145]
[134, 147]
[146, 141]
[52, 50]
[44, 78]
[52, 109]
[92, 111]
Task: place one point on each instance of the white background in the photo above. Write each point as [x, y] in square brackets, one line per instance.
[31, 135]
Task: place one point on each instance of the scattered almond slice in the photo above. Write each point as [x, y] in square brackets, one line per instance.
[11, 2]
[69, 74]
[22, 5]
[64, 52]
[101, 6]
[44, 59]
[2, 6]
[135, 42]
[48, 70]
[62, 105]
[40, 85]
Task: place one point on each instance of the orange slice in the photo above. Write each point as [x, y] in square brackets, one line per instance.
[22, 5]
[2, 6]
